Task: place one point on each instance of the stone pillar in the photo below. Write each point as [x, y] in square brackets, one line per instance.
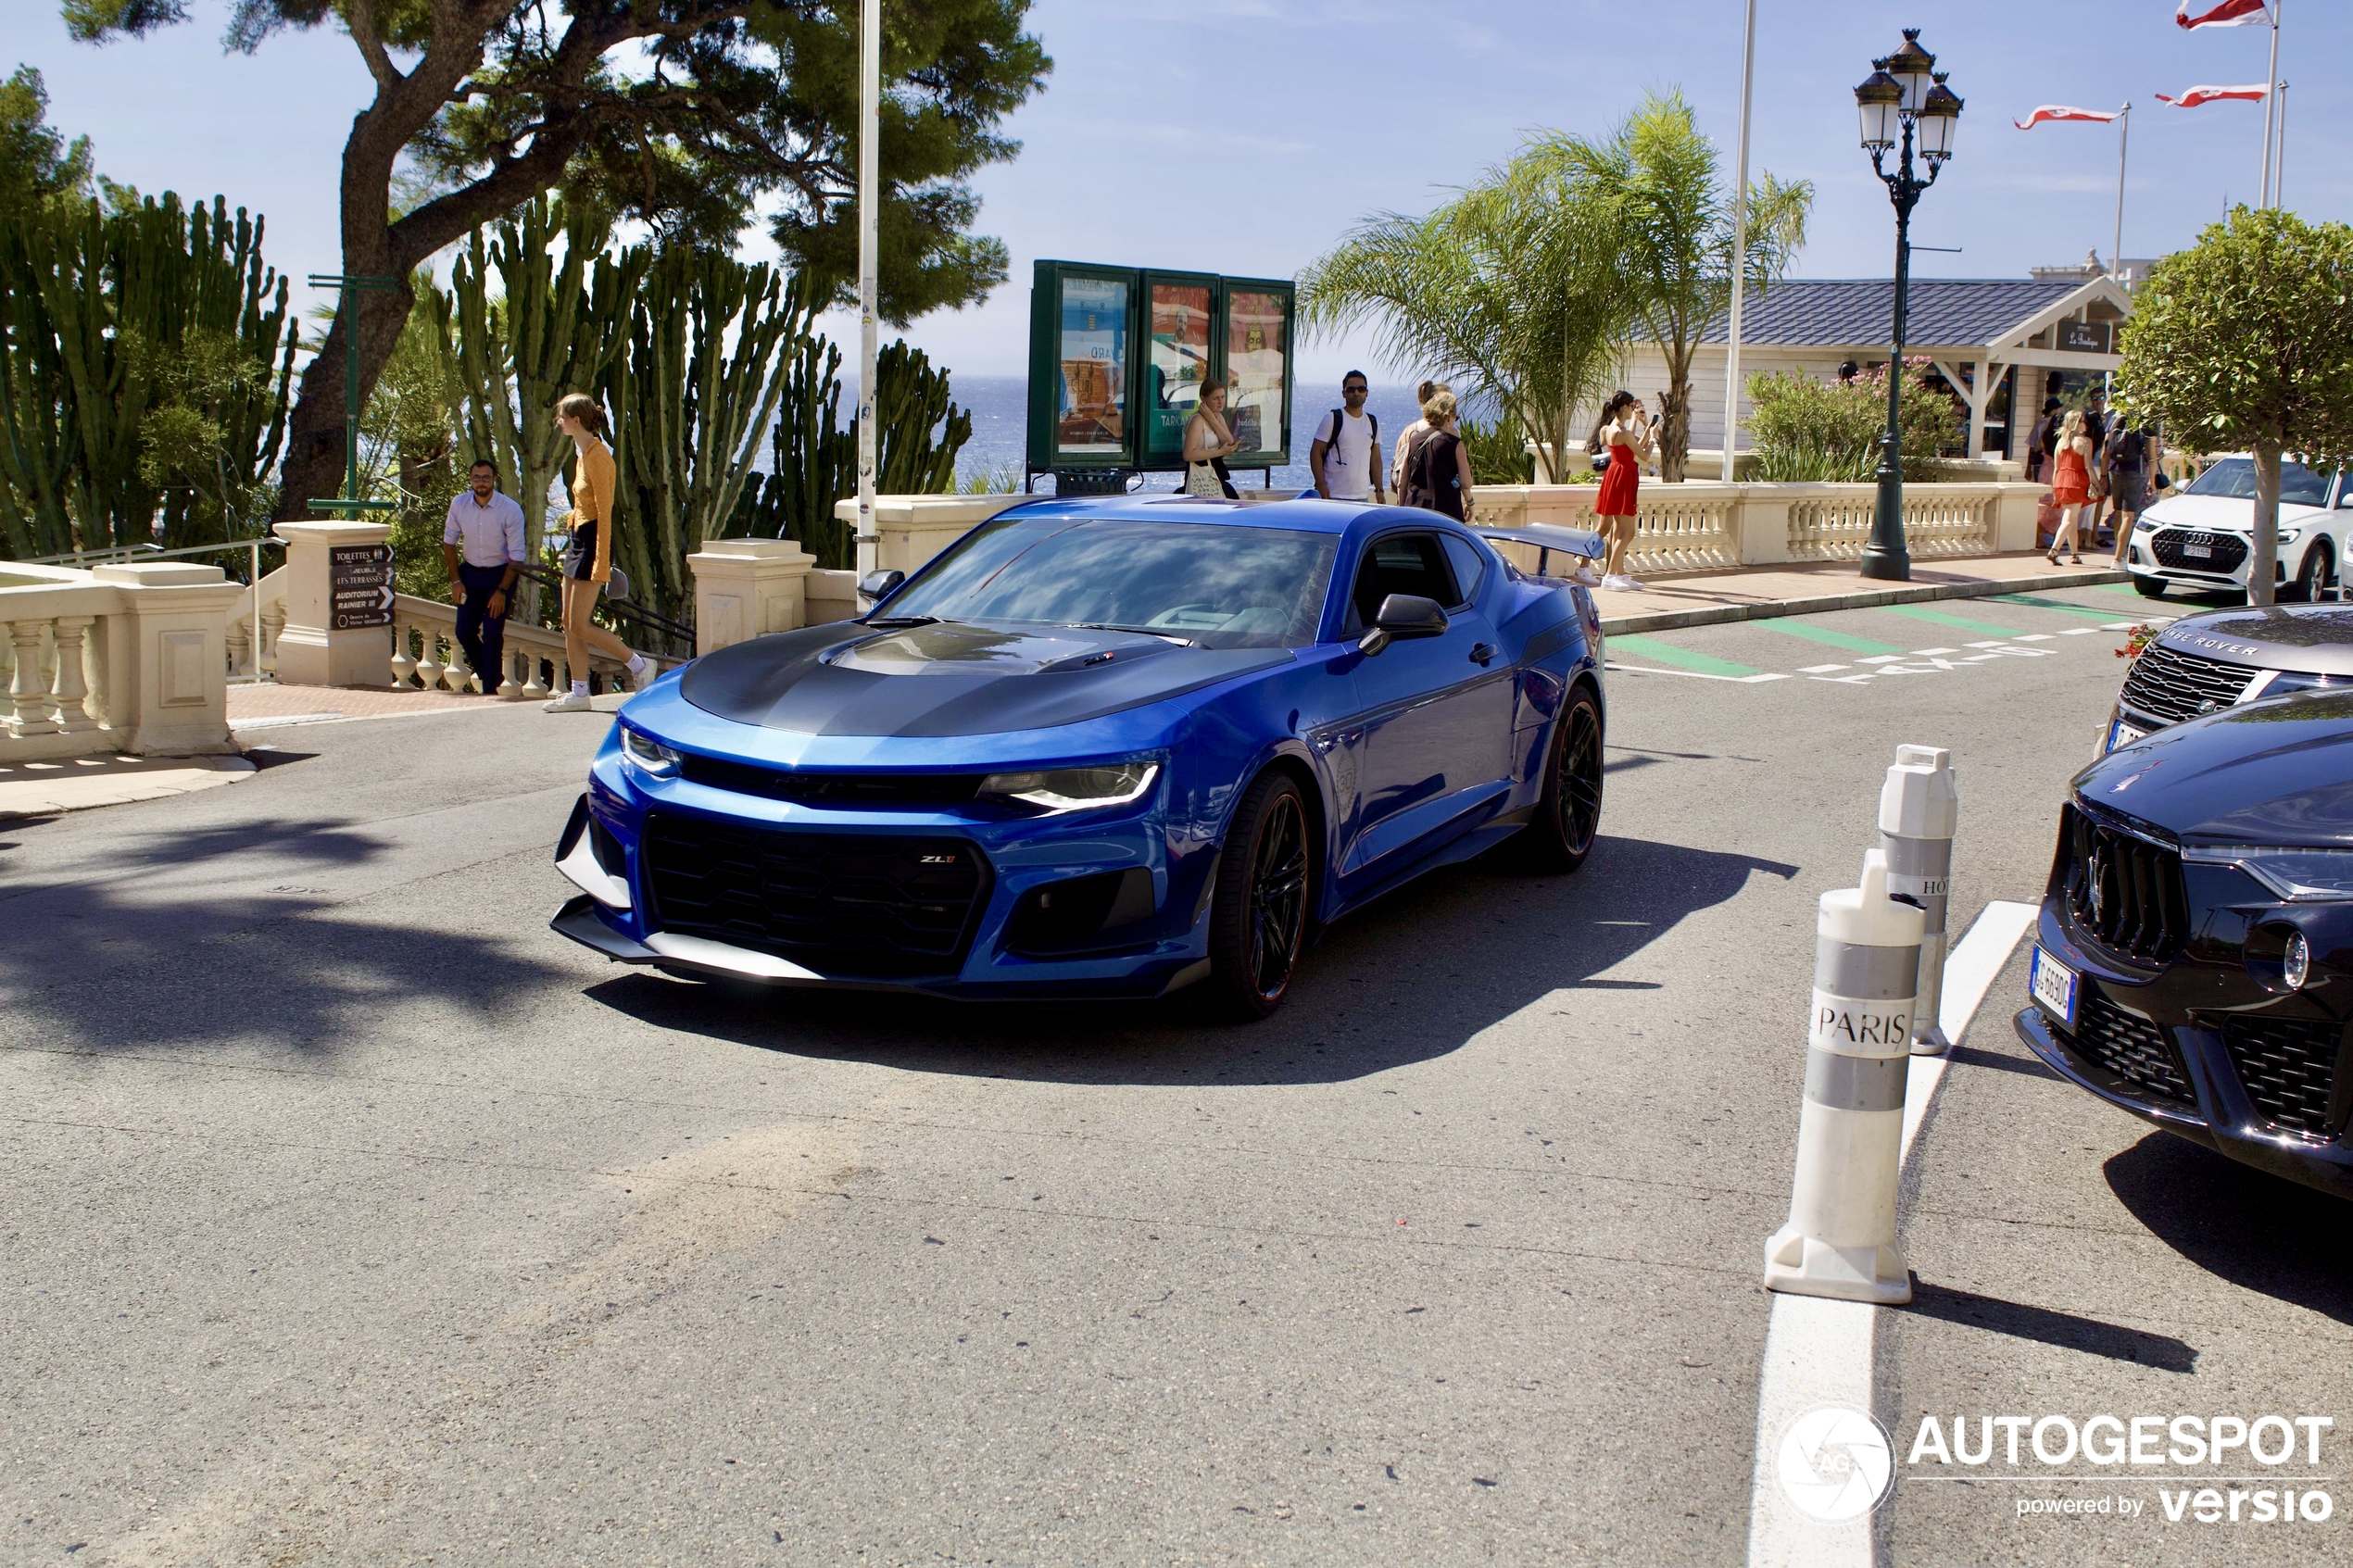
[915, 528]
[2015, 508]
[747, 588]
[312, 651]
[165, 659]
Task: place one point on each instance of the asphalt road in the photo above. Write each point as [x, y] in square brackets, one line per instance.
[352, 1217]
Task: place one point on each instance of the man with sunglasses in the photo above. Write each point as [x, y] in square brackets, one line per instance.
[1346, 457]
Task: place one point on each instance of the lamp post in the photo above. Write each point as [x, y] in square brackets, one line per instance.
[1904, 100]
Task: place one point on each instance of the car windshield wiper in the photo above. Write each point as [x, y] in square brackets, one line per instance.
[1143, 631]
[897, 621]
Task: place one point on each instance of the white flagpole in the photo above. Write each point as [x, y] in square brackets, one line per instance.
[2270, 102]
[2123, 140]
[868, 268]
[2279, 175]
[1740, 257]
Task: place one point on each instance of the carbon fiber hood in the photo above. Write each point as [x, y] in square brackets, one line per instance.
[951, 679]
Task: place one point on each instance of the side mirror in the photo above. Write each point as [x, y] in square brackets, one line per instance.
[878, 586]
[1402, 616]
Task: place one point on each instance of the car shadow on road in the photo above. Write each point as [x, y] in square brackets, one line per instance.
[2258, 1231]
[2042, 1324]
[1413, 978]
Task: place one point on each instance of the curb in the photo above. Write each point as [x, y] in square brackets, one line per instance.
[1768, 610]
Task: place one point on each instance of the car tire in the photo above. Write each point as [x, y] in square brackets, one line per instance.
[1569, 814]
[1263, 901]
[2150, 587]
[2312, 575]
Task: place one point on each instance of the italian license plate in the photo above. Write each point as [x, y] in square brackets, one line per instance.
[2198, 552]
[2054, 986]
[2122, 734]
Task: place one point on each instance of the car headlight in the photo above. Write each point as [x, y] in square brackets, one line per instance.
[647, 754]
[2299, 876]
[1074, 789]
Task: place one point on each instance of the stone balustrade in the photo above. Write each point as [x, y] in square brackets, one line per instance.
[425, 655]
[114, 658]
[1711, 526]
[246, 662]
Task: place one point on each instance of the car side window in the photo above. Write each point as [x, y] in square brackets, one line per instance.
[1469, 563]
[2345, 488]
[1401, 563]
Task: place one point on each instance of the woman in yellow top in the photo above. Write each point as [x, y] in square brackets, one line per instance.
[592, 524]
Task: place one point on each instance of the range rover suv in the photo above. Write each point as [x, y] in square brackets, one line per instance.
[2193, 960]
[2204, 663]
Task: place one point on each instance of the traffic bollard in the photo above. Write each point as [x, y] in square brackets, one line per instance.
[1919, 806]
[1840, 1240]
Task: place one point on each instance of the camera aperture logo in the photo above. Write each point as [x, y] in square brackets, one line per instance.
[1836, 1462]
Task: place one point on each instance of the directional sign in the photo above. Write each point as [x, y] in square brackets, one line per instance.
[360, 579]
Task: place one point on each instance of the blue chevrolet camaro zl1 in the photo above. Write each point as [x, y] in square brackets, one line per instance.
[1100, 748]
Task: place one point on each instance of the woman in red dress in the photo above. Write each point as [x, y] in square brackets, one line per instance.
[1621, 437]
[2071, 483]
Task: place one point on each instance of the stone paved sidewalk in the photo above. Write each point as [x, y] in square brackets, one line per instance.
[1761, 591]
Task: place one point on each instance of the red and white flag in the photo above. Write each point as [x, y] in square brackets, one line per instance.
[2198, 96]
[2228, 13]
[2060, 111]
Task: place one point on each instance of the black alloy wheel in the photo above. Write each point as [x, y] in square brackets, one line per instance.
[1568, 818]
[1258, 920]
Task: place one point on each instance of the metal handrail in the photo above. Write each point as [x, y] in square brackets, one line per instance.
[149, 552]
[626, 610]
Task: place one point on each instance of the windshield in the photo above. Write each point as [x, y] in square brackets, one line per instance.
[1220, 586]
[2234, 478]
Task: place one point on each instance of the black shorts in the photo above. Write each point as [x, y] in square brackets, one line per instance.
[584, 545]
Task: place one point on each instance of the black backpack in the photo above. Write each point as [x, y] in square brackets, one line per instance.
[1340, 414]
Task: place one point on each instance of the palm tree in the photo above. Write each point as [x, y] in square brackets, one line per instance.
[1514, 291]
[1670, 210]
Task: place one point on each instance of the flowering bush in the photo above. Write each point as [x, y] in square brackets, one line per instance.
[2135, 639]
[1809, 430]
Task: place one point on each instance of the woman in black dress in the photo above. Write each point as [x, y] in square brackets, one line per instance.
[1442, 460]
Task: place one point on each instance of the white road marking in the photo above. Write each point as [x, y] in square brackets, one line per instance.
[2004, 643]
[2081, 632]
[2128, 625]
[1821, 1352]
[1696, 674]
[1818, 669]
[2031, 637]
[1924, 653]
[1880, 658]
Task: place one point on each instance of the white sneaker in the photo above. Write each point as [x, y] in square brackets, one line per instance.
[571, 702]
[1625, 583]
[1585, 576]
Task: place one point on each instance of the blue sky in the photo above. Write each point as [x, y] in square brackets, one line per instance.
[1244, 136]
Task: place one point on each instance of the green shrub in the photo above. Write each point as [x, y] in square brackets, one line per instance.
[1806, 430]
[1499, 453]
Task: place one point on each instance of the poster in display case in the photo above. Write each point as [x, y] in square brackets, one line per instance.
[1119, 356]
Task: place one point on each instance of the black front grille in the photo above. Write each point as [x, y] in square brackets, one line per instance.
[2133, 1049]
[852, 905]
[2125, 891]
[2169, 685]
[2288, 1067]
[2226, 553]
[905, 792]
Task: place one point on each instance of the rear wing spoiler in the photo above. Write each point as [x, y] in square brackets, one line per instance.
[1544, 538]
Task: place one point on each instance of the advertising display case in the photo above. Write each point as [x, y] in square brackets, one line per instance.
[1119, 356]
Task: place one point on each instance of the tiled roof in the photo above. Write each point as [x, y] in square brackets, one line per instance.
[1945, 312]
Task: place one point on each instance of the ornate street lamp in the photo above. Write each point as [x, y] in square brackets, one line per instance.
[1903, 101]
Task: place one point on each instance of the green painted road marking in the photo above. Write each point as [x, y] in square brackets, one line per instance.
[1960, 623]
[2060, 605]
[1813, 633]
[1681, 658]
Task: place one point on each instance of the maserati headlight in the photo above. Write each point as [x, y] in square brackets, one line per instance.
[2299, 876]
[647, 754]
[1074, 789]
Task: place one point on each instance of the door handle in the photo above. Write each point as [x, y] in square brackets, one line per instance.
[1481, 653]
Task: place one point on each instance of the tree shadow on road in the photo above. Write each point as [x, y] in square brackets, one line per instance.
[1413, 978]
[2255, 1230]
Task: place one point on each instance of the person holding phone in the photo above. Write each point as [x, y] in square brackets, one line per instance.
[1621, 438]
[1208, 442]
